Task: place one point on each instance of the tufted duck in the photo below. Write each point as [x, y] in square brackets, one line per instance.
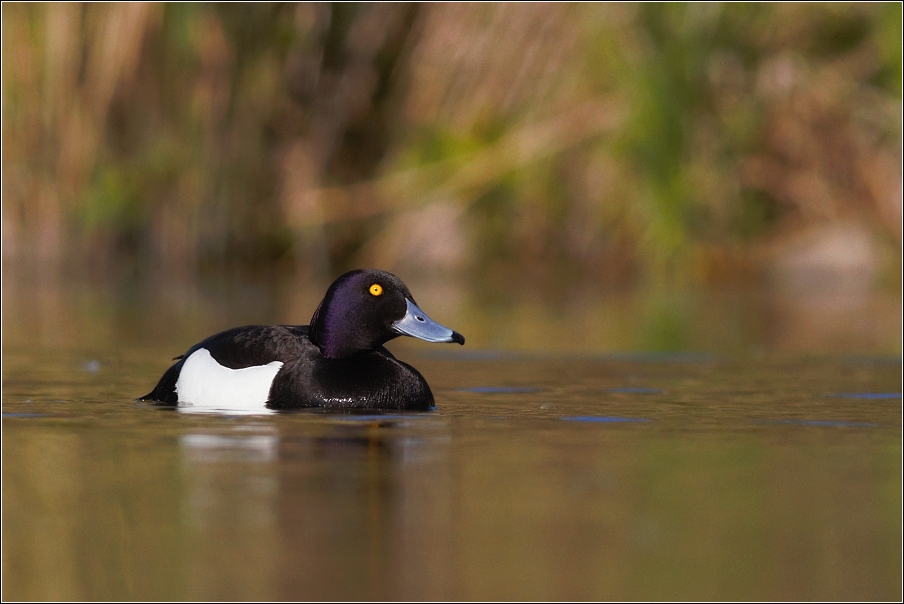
[338, 361]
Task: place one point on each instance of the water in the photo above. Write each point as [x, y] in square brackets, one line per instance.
[589, 474]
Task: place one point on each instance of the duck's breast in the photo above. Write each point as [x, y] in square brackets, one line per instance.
[374, 380]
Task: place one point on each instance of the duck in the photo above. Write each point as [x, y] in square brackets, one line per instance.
[338, 361]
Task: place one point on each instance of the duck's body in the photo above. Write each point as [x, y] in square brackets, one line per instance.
[339, 361]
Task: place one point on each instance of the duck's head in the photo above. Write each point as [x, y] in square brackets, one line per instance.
[364, 309]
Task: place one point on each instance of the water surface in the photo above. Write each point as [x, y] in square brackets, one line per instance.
[590, 474]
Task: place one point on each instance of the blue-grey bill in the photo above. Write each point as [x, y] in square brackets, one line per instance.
[417, 324]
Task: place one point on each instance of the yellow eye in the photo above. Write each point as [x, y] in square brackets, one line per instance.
[376, 289]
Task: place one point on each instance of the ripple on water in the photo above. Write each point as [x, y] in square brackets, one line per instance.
[498, 389]
[866, 395]
[604, 419]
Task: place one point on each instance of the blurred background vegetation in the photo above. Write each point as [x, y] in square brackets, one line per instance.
[704, 143]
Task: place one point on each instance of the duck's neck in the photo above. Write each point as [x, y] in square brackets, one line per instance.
[339, 333]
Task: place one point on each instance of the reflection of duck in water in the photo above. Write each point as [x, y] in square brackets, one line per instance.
[338, 361]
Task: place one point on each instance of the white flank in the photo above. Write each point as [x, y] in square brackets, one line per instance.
[205, 385]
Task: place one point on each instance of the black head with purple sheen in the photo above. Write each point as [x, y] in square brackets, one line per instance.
[364, 309]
